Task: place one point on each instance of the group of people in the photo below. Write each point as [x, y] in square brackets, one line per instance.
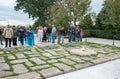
[11, 34]
[50, 34]
[75, 34]
[25, 36]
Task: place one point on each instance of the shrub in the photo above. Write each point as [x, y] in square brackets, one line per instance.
[108, 34]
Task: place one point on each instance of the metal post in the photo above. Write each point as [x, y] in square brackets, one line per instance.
[113, 41]
[86, 40]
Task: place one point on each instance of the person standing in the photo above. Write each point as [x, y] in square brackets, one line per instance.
[29, 37]
[15, 34]
[61, 33]
[71, 33]
[81, 34]
[21, 35]
[44, 34]
[40, 34]
[1, 37]
[77, 33]
[49, 31]
[8, 34]
[53, 34]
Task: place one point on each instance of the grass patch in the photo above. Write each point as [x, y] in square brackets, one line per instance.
[30, 70]
[14, 74]
[8, 62]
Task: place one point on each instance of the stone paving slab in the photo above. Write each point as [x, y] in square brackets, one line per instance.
[2, 60]
[5, 73]
[30, 75]
[64, 67]
[37, 60]
[100, 60]
[19, 61]
[52, 61]
[11, 57]
[1, 52]
[69, 62]
[20, 56]
[81, 66]
[4, 66]
[40, 67]
[19, 68]
[83, 52]
[50, 72]
[75, 58]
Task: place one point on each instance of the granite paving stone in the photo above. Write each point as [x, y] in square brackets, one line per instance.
[29, 75]
[81, 66]
[52, 52]
[52, 61]
[83, 52]
[43, 58]
[37, 60]
[11, 57]
[1, 52]
[19, 68]
[40, 67]
[19, 61]
[113, 57]
[50, 72]
[4, 66]
[75, 58]
[67, 61]
[2, 60]
[5, 73]
[36, 55]
[87, 58]
[100, 60]
[29, 53]
[33, 50]
[57, 57]
[64, 67]
[28, 63]
[20, 56]
[46, 54]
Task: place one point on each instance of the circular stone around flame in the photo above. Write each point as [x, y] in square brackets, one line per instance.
[83, 52]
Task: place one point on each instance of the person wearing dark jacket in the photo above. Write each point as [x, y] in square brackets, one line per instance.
[15, 34]
[71, 34]
[49, 31]
[1, 37]
[44, 34]
[21, 35]
[61, 33]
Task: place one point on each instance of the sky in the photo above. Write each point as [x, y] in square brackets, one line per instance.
[9, 16]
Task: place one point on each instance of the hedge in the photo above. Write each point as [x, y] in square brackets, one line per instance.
[108, 34]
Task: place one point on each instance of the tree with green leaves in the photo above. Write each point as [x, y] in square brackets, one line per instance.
[58, 14]
[77, 9]
[68, 11]
[37, 9]
[110, 14]
[87, 22]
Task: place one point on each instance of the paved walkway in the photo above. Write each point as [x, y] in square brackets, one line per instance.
[103, 41]
[109, 70]
[94, 40]
[39, 61]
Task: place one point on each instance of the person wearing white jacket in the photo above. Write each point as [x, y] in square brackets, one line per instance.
[8, 34]
[40, 34]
